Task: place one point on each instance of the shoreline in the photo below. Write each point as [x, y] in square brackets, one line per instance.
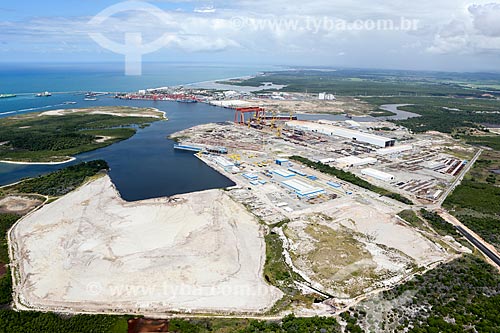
[71, 159]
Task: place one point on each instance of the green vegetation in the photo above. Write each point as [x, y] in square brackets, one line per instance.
[439, 224]
[459, 296]
[412, 218]
[293, 324]
[62, 181]
[35, 138]
[477, 205]
[38, 322]
[279, 274]
[352, 82]
[481, 197]
[351, 178]
[6, 221]
[476, 201]
[488, 227]
[276, 271]
[288, 324]
[492, 141]
[443, 114]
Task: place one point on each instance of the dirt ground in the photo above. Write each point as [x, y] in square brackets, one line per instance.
[18, 205]
[342, 105]
[91, 251]
[143, 325]
[354, 247]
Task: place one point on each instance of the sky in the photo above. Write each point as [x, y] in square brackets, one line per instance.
[448, 35]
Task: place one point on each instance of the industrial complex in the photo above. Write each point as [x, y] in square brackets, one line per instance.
[336, 228]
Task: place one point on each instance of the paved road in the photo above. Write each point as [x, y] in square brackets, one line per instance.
[487, 249]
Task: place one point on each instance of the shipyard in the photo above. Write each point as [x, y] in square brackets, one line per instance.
[330, 190]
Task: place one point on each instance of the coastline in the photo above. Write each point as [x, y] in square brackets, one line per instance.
[71, 159]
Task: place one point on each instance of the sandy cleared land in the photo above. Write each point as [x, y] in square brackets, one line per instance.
[90, 251]
[110, 110]
[354, 247]
[69, 159]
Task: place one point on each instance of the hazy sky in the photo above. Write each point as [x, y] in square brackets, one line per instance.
[435, 35]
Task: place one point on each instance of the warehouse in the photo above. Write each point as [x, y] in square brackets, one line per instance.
[283, 173]
[377, 174]
[224, 163]
[302, 189]
[328, 129]
[352, 161]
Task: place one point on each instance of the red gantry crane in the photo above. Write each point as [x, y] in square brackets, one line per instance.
[239, 115]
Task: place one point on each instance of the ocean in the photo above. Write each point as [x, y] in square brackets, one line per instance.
[146, 165]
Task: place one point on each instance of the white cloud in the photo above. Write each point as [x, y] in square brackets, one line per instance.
[478, 31]
[486, 19]
[289, 30]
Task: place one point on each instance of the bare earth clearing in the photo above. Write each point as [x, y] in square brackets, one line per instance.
[352, 248]
[90, 251]
[18, 205]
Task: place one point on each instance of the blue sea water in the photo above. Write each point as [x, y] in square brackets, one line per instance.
[144, 166]
[31, 78]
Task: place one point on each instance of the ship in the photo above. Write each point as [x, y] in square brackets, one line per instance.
[44, 94]
[90, 99]
[7, 95]
[69, 103]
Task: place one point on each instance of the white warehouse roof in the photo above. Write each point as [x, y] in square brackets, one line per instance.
[223, 162]
[302, 189]
[377, 174]
[394, 150]
[328, 129]
[355, 161]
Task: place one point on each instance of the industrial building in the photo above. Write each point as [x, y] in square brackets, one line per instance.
[377, 174]
[283, 173]
[282, 161]
[250, 176]
[302, 189]
[353, 161]
[326, 97]
[325, 127]
[394, 150]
